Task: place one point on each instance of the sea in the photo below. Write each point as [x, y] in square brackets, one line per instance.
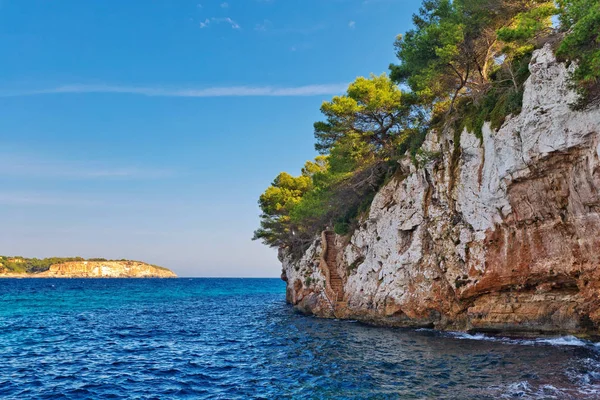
[238, 339]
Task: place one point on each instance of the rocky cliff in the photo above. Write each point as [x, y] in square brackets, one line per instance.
[99, 269]
[499, 234]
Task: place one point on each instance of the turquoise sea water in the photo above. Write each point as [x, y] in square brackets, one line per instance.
[237, 339]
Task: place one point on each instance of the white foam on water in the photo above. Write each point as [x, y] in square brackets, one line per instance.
[551, 341]
[584, 375]
[564, 341]
[521, 390]
[525, 390]
[475, 336]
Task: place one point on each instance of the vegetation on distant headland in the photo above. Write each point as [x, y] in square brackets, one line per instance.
[22, 265]
[463, 64]
[32, 265]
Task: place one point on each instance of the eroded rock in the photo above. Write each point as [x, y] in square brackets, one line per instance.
[505, 239]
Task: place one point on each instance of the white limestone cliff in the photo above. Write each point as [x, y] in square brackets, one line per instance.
[503, 235]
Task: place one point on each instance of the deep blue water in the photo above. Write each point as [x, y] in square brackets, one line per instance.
[237, 339]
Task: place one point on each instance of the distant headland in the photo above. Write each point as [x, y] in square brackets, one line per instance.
[78, 267]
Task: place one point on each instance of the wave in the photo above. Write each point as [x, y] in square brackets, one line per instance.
[567, 340]
[527, 390]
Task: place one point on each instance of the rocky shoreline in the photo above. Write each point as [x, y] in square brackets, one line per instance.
[499, 234]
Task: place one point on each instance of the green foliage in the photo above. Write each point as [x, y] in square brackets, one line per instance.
[528, 25]
[451, 52]
[285, 192]
[426, 52]
[505, 97]
[33, 265]
[423, 157]
[370, 115]
[342, 227]
[280, 199]
[360, 139]
[464, 64]
[580, 19]
[467, 60]
[411, 145]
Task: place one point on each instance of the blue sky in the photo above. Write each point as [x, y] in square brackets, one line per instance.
[148, 129]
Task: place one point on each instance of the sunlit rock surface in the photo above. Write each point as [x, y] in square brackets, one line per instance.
[503, 235]
[100, 269]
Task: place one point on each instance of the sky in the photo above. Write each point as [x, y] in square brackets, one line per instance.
[147, 129]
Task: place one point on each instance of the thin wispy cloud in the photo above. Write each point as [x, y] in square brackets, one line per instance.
[113, 198]
[28, 166]
[352, 24]
[234, 25]
[44, 199]
[207, 22]
[81, 199]
[220, 91]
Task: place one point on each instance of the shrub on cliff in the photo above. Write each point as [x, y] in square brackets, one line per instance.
[580, 19]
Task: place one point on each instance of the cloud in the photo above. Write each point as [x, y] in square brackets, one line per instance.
[34, 166]
[232, 23]
[44, 199]
[224, 5]
[352, 24]
[222, 91]
[82, 199]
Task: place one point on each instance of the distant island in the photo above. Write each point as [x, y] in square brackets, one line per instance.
[78, 267]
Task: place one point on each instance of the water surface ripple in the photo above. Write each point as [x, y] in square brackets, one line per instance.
[237, 339]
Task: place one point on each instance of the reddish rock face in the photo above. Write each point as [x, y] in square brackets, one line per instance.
[501, 235]
[542, 262]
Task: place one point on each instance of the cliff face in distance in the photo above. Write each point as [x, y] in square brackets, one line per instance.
[98, 269]
[107, 269]
[499, 235]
